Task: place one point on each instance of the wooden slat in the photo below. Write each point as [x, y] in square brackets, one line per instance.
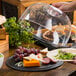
[21, 9]
[4, 48]
[74, 19]
[26, 4]
[4, 44]
[13, 2]
[44, 0]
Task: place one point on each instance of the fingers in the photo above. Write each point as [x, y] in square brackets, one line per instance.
[64, 6]
[73, 62]
[59, 4]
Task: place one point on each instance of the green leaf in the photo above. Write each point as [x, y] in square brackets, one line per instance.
[19, 32]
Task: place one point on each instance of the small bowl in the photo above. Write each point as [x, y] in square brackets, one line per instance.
[1, 59]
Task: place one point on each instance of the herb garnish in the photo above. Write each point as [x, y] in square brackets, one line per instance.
[1, 55]
[64, 55]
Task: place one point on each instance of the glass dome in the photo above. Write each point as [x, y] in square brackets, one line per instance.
[50, 24]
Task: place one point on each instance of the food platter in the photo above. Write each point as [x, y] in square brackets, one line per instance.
[62, 54]
[11, 63]
[43, 60]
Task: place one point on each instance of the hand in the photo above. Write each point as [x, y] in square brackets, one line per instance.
[74, 62]
[65, 6]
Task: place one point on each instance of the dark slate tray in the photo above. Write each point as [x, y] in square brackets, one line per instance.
[11, 63]
[46, 43]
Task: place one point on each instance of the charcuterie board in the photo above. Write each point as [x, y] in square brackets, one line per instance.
[11, 63]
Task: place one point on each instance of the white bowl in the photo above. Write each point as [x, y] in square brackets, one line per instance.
[1, 60]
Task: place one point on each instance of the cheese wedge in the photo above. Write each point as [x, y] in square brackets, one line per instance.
[31, 63]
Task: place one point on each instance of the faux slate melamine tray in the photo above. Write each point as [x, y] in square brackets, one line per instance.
[11, 63]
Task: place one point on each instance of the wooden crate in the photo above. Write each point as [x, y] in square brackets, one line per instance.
[4, 45]
[2, 33]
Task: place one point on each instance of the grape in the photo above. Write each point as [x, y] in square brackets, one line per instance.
[25, 54]
[17, 59]
[33, 48]
[24, 50]
[32, 51]
[21, 56]
[18, 51]
[29, 51]
[38, 51]
[15, 56]
[20, 47]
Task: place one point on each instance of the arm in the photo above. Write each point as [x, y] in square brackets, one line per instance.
[66, 6]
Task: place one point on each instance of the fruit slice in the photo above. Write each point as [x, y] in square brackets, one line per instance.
[31, 63]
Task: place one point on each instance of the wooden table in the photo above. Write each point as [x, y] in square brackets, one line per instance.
[64, 70]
